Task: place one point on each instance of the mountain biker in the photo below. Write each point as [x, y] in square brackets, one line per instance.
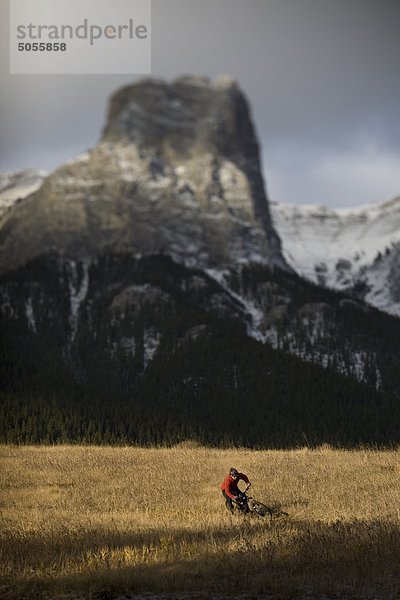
[230, 490]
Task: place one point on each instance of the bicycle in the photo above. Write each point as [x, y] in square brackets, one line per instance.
[247, 504]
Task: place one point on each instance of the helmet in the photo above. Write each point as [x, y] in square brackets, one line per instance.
[233, 472]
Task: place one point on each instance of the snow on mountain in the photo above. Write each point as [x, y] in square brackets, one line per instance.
[352, 249]
[17, 185]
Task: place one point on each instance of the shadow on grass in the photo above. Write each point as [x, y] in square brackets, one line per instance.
[346, 559]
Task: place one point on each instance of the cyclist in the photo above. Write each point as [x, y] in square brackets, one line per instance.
[230, 490]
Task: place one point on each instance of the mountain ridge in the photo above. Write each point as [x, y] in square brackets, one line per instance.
[356, 249]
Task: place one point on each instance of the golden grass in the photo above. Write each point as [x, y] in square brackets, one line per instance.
[101, 521]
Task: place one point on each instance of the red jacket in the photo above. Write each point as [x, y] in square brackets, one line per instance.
[230, 487]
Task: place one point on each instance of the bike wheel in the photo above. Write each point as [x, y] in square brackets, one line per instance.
[259, 508]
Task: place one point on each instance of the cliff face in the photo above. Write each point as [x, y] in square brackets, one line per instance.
[176, 173]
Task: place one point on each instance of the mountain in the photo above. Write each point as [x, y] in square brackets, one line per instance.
[176, 172]
[144, 295]
[356, 250]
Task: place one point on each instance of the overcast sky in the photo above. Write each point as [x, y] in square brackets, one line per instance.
[322, 78]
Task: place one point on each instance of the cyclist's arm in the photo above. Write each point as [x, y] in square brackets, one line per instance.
[244, 478]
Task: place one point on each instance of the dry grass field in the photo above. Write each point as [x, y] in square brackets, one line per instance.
[101, 522]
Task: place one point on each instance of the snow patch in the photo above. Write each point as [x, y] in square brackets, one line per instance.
[377, 278]
[151, 341]
[78, 289]
[83, 157]
[253, 311]
[30, 317]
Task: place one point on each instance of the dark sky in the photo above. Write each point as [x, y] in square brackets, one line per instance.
[322, 78]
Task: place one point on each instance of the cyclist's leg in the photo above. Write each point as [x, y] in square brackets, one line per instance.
[228, 502]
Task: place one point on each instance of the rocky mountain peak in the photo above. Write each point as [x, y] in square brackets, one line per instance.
[182, 119]
[176, 172]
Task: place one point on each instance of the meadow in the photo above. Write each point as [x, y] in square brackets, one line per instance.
[109, 522]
